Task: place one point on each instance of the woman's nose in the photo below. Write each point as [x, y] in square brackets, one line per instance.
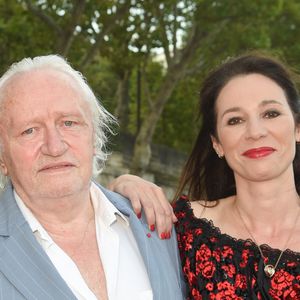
[256, 129]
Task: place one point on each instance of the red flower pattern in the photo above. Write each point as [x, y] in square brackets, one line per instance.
[230, 270]
[240, 281]
[245, 256]
[208, 269]
[219, 267]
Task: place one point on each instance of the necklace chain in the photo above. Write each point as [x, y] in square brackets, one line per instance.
[268, 269]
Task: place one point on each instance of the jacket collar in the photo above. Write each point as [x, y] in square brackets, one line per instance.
[22, 260]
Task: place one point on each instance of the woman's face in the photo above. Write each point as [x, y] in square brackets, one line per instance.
[255, 128]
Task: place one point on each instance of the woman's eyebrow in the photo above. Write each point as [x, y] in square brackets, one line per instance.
[231, 109]
[263, 103]
[266, 102]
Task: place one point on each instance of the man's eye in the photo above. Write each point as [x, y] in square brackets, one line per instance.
[28, 131]
[234, 121]
[271, 114]
[68, 123]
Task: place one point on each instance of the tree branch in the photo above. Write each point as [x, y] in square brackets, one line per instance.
[165, 40]
[174, 32]
[68, 34]
[107, 28]
[44, 17]
[146, 88]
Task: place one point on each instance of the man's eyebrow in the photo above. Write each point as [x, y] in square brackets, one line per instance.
[69, 114]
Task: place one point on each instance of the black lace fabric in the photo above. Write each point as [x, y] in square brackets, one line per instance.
[219, 267]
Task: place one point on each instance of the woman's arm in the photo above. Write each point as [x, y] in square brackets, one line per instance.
[149, 197]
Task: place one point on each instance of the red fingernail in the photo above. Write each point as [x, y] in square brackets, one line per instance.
[168, 235]
[149, 235]
[163, 236]
[152, 227]
[139, 215]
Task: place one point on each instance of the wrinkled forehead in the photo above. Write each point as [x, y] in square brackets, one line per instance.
[36, 78]
[24, 83]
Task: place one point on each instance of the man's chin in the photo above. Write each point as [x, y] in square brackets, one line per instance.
[62, 188]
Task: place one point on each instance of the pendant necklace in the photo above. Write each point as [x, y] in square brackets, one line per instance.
[269, 269]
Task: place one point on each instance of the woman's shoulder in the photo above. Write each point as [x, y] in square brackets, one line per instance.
[182, 207]
[212, 216]
[214, 211]
[210, 210]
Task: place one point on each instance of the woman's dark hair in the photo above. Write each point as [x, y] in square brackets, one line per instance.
[206, 176]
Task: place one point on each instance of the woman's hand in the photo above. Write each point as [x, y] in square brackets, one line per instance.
[149, 197]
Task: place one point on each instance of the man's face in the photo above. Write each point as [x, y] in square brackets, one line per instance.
[47, 136]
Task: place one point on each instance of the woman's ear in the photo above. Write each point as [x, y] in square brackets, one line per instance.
[297, 133]
[217, 146]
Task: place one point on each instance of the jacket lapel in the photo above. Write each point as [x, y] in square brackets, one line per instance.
[160, 257]
[22, 260]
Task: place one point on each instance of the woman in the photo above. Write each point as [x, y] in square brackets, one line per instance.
[238, 228]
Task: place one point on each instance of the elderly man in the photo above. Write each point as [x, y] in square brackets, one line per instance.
[62, 236]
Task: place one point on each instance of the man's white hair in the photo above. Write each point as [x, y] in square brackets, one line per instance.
[102, 119]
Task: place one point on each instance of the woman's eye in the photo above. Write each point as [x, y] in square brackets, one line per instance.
[234, 121]
[271, 114]
[28, 131]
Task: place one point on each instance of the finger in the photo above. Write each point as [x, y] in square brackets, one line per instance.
[147, 203]
[135, 202]
[125, 189]
[157, 208]
[163, 218]
[167, 208]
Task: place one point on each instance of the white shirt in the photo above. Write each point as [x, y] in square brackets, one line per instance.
[124, 269]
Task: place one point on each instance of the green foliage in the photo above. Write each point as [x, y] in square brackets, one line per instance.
[154, 75]
[104, 84]
[20, 36]
[132, 40]
[180, 116]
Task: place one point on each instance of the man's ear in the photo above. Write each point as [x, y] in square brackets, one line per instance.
[217, 146]
[3, 167]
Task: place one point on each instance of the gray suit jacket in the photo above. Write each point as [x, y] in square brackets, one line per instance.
[26, 271]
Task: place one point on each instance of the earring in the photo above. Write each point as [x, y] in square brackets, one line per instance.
[219, 155]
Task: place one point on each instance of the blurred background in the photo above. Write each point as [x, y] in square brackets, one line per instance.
[146, 59]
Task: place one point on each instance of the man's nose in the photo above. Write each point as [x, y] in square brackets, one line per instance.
[54, 143]
[256, 129]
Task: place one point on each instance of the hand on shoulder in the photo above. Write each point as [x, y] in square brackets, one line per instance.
[147, 197]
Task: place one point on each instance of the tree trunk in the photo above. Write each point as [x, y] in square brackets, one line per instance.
[122, 109]
[142, 147]
[175, 71]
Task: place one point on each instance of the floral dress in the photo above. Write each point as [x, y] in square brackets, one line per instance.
[220, 267]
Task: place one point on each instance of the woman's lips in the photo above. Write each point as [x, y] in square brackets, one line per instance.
[258, 152]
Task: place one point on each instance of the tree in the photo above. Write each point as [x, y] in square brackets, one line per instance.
[166, 46]
[212, 30]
